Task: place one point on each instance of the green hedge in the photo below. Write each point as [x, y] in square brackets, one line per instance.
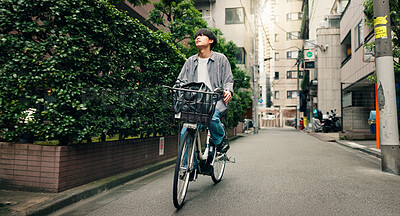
[88, 70]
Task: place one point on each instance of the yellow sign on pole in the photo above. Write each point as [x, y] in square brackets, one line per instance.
[380, 32]
[380, 20]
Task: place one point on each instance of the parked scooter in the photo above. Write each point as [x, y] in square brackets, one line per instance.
[332, 123]
[317, 120]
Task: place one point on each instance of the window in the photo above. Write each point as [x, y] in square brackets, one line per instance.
[276, 38]
[205, 13]
[291, 94]
[294, 16]
[234, 15]
[276, 56]
[292, 74]
[359, 34]
[276, 75]
[292, 35]
[276, 94]
[346, 48]
[241, 56]
[292, 54]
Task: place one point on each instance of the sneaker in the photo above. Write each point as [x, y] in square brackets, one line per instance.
[224, 146]
[206, 168]
[193, 175]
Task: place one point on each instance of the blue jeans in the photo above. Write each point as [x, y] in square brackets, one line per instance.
[217, 132]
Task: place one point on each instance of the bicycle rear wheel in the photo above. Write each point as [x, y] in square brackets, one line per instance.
[183, 168]
[219, 166]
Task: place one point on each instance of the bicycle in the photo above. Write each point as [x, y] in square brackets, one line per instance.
[200, 107]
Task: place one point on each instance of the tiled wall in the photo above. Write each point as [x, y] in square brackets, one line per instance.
[57, 168]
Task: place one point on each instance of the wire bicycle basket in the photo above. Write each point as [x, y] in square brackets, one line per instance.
[193, 104]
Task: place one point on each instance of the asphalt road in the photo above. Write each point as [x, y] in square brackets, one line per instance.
[277, 172]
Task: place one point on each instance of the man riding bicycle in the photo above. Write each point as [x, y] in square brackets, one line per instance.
[213, 69]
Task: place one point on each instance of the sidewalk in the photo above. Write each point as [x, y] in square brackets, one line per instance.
[366, 146]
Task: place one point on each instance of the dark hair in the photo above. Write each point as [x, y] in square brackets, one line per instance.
[209, 34]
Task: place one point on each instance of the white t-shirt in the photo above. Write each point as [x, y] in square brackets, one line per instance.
[202, 70]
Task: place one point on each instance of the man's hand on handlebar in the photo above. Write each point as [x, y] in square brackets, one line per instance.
[227, 96]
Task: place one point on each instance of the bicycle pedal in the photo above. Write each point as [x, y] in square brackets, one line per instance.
[193, 175]
[231, 159]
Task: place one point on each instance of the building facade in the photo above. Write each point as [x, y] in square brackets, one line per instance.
[235, 18]
[356, 65]
[343, 64]
[285, 44]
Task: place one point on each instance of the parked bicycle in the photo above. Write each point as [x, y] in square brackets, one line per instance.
[195, 108]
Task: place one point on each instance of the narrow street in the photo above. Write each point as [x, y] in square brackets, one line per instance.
[277, 172]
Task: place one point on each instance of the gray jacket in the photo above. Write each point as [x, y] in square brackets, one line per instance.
[219, 70]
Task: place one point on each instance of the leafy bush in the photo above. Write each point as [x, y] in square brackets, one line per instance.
[88, 70]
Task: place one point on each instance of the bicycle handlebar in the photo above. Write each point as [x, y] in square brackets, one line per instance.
[219, 91]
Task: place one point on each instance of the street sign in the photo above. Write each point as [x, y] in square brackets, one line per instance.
[368, 54]
[261, 100]
[309, 54]
[161, 146]
[308, 64]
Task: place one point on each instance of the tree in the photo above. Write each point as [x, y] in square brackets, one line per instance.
[179, 16]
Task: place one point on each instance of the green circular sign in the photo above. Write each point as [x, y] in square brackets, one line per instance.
[309, 54]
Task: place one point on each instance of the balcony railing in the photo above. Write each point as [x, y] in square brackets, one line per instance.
[345, 60]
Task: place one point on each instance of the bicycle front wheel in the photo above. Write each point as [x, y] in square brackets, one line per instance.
[183, 168]
[219, 166]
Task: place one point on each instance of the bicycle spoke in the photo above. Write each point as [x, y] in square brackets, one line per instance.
[183, 168]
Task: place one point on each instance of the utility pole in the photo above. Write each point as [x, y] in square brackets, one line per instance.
[386, 91]
[298, 94]
[255, 84]
[255, 124]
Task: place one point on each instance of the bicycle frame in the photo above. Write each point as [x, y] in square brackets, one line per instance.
[200, 155]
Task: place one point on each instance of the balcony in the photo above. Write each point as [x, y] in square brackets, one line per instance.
[210, 21]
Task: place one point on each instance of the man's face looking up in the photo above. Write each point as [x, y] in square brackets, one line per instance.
[203, 41]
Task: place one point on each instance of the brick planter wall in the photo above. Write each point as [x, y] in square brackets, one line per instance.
[58, 168]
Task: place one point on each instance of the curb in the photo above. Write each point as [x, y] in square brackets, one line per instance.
[234, 138]
[77, 194]
[349, 144]
[321, 137]
[375, 153]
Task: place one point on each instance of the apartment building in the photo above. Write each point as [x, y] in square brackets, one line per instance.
[235, 18]
[356, 65]
[285, 44]
[139, 12]
[342, 62]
